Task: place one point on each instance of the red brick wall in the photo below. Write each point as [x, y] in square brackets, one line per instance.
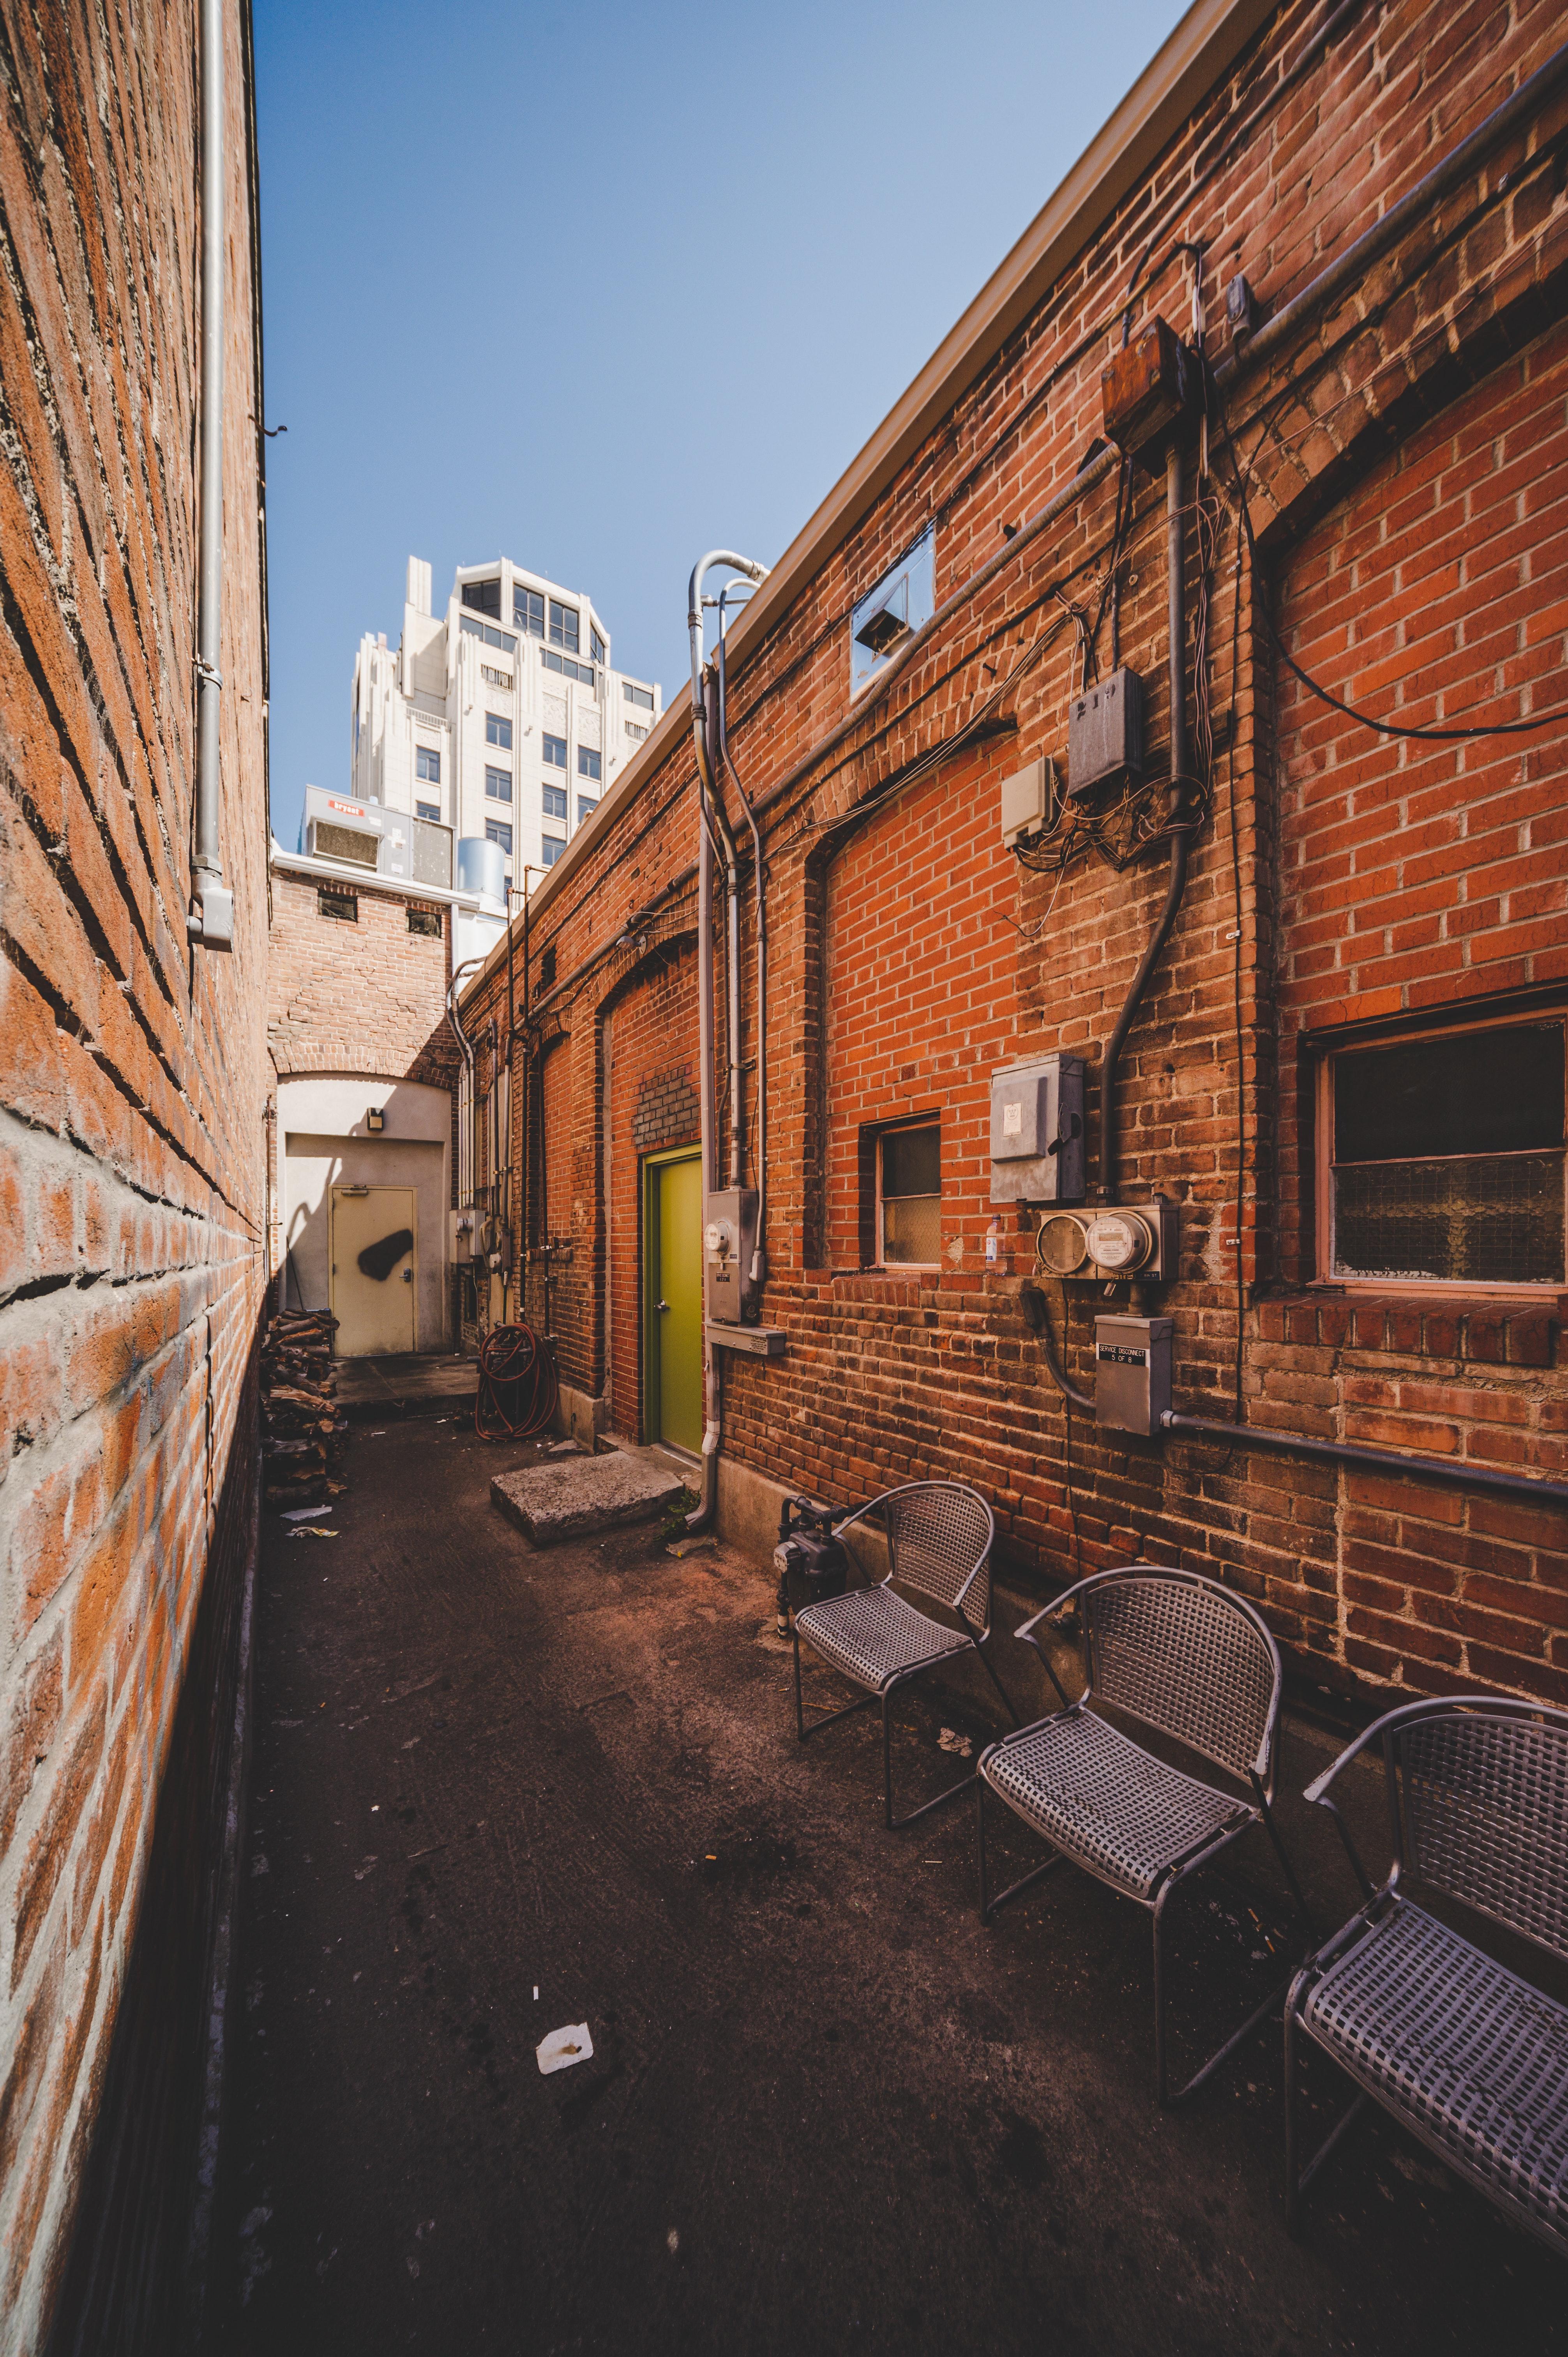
[132, 1136]
[368, 997]
[909, 956]
[654, 1105]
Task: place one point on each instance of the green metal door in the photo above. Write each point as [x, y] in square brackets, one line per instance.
[672, 1260]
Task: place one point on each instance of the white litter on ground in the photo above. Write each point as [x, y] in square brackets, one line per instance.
[312, 1531]
[951, 1740]
[301, 1514]
[564, 2047]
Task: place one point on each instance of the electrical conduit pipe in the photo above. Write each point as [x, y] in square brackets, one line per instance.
[211, 922]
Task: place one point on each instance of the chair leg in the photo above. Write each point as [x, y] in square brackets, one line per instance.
[1000, 1689]
[990, 1908]
[1297, 2179]
[1200, 2078]
[1302, 1907]
[897, 1825]
[825, 1717]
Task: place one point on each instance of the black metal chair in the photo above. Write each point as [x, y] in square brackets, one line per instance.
[940, 1536]
[1181, 1654]
[1470, 2058]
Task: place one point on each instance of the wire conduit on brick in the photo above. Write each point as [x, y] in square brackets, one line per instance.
[1456, 1475]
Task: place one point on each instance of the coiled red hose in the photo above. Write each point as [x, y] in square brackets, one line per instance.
[518, 1389]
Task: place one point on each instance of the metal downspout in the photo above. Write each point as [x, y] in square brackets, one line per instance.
[710, 816]
[758, 1270]
[212, 920]
[1177, 624]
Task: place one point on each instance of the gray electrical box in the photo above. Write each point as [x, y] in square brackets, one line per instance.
[1037, 1132]
[1105, 733]
[1028, 798]
[1131, 1373]
[729, 1241]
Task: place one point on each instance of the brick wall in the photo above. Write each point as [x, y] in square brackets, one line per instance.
[131, 1161]
[1403, 454]
[368, 996]
[654, 1106]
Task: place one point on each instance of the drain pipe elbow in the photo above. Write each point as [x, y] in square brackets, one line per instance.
[212, 920]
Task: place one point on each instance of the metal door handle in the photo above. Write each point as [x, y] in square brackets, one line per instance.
[663, 1305]
[408, 1277]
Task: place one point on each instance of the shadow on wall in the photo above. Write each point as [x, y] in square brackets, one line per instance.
[129, 2286]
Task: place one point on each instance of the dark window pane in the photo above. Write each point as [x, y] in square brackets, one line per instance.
[549, 852]
[555, 752]
[484, 596]
[1496, 1091]
[497, 731]
[912, 1229]
[498, 785]
[430, 811]
[427, 764]
[564, 627]
[495, 830]
[554, 800]
[911, 1162]
[587, 762]
[1495, 1219]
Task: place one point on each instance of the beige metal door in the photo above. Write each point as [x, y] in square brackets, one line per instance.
[373, 1242]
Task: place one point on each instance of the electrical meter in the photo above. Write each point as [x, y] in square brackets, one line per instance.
[729, 1246]
[1121, 1241]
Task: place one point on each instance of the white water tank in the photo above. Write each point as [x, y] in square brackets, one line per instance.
[481, 869]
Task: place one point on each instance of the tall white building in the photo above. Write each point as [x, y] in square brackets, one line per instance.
[501, 717]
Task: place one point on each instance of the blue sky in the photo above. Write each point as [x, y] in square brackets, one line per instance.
[598, 289]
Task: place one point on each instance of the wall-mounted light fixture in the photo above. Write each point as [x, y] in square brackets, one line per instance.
[375, 1120]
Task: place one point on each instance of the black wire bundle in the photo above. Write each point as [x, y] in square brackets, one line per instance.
[513, 1361]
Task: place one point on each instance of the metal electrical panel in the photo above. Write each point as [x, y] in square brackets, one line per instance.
[1132, 1373]
[1037, 1132]
[729, 1241]
[1105, 732]
[1028, 798]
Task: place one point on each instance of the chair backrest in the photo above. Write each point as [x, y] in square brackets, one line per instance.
[1486, 1813]
[1185, 1655]
[937, 1533]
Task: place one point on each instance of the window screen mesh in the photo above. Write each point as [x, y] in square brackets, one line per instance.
[912, 1227]
[1491, 1219]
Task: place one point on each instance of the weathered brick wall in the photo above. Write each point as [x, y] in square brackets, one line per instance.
[366, 996]
[910, 954]
[131, 1161]
[653, 1106]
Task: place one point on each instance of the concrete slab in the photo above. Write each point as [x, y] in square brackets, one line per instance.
[577, 1495]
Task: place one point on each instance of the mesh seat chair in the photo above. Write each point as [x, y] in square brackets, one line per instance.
[1185, 1656]
[1470, 2058]
[940, 1536]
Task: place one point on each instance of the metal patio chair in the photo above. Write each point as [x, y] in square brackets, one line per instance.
[940, 1536]
[1470, 2058]
[1183, 1655]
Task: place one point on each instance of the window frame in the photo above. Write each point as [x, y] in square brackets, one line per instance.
[349, 914]
[873, 1136]
[502, 826]
[591, 763]
[500, 723]
[426, 924]
[473, 601]
[527, 599]
[422, 775]
[1350, 1041]
[642, 697]
[551, 848]
[565, 627]
[547, 808]
[597, 651]
[428, 813]
[492, 793]
[545, 741]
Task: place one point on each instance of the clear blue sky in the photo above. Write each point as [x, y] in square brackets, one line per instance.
[600, 288]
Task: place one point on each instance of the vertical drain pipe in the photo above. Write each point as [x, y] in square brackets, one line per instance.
[212, 920]
[1176, 626]
[703, 1518]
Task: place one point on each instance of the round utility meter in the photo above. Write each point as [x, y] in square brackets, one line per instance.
[720, 1237]
[1118, 1241]
[1060, 1249]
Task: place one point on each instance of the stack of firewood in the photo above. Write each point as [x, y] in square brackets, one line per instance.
[303, 1435]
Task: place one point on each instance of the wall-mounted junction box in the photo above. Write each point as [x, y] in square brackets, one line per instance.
[1121, 1240]
[1105, 733]
[729, 1240]
[463, 1225]
[1028, 800]
[1132, 1373]
[1037, 1131]
[1147, 389]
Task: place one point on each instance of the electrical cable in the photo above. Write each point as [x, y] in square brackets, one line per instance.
[514, 1357]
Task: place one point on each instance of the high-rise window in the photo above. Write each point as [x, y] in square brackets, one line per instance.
[586, 805]
[429, 812]
[555, 801]
[564, 627]
[595, 644]
[587, 761]
[497, 830]
[643, 696]
[484, 596]
[498, 785]
[550, 850]
[555, 752]
[634, 731]
[497, 730]
[528, 610]
[427, 764]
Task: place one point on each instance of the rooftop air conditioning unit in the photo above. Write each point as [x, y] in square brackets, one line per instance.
[326, 839]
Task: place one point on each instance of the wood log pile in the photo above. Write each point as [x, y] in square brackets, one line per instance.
[303, 1435]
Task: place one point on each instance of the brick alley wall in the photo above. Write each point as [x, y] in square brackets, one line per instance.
[1400, 449]
[367, 996]
[132, 1155]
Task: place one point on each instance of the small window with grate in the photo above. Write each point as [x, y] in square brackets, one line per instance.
[909, 1195]
[1441, 1160]
[344, 906]
[426, 922]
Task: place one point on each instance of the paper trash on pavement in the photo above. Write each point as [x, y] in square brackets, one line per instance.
[564, 2047]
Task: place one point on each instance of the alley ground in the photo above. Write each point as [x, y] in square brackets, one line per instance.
[826, 2111]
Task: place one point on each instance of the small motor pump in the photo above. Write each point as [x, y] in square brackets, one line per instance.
[811, 1563]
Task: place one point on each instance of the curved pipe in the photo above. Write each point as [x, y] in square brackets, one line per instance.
[708, 1506]
[1032, 1302]
[1177, 627]
[212, 919]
